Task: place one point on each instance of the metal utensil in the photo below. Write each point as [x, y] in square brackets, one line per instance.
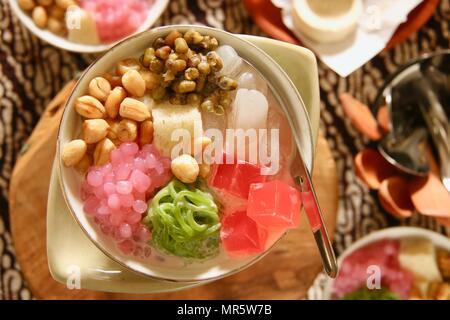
[415, 98]
[300, 173]
[314, 214]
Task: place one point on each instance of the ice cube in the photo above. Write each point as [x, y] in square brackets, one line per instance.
[232, 62]
[274, 204]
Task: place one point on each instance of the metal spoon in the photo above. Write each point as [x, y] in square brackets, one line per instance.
[309, 199]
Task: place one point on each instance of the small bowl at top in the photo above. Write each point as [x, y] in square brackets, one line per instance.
[156, 9]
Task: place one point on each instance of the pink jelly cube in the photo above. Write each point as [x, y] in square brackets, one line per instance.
[274, 204]
[236, 178]
[241, 236]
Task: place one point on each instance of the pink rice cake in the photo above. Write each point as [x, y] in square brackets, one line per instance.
[117, 19]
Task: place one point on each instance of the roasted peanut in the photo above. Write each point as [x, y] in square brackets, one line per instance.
[27, 5]
[102, 150]
[184, 86]
[126, 65]
[114, 80]
[151, 79]
[45, 3]
[185, 168]
[39, 16]
[170, 38]
[127, 130]
[55, 26]
[443, 291]
[73, 152]
[133, 83]
[64, 4]
[57, 13]
[89, 107]
[113, 129]
[83, 165]
[146, 132]
[112, 103]
[94, 130]
[134, 109]
[99, 88]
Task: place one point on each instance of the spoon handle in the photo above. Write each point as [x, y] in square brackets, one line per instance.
[316, 221]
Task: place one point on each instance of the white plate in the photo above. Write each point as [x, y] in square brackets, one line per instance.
[155, 12]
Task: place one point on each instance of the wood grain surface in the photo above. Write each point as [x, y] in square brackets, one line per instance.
[285, 273]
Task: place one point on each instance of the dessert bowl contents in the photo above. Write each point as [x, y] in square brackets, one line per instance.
[88, 21]
[176, 169]
[391, 269]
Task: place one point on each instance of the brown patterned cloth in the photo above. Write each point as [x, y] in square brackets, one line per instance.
[32, 72]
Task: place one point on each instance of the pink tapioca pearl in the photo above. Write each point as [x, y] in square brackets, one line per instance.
[140, 206]
[94, 178]
[126, 200]
[106, 229]
[91, 205]
[129, 149]
[140, 165]
[124, 187]
[133, 217]
[122, 171]
[109, 188]
[106, 169]
[150, 148]
[114, 202]
[103, 210]
[150, 161]
[99, 192]
[125, 231]
[116, 219]
[143, 234]
[115, 157]
[141, 182]
[126, 246]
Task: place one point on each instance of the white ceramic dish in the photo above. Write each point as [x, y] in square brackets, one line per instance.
[155, 12]
[306, 81]
[390, 233]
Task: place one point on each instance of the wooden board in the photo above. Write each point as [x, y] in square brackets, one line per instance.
[268, 18]
[285, 273]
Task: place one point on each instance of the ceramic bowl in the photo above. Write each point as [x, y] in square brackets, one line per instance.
[155, 12]
[437, 239]
[283, 90]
